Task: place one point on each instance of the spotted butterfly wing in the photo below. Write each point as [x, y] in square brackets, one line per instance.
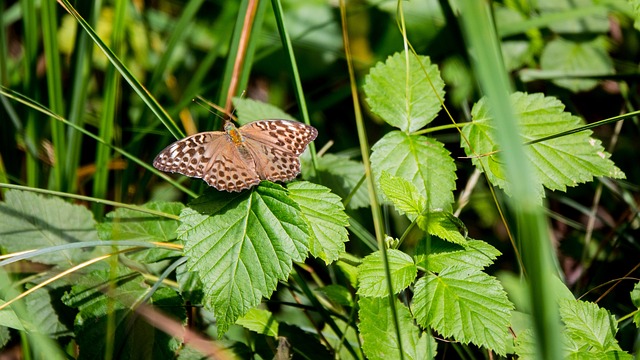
[239, 159]
[275, 146]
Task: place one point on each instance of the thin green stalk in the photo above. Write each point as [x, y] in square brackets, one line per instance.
[109, 109]
[80, 77]
[532, 231]
[54, 88]
[32, 128]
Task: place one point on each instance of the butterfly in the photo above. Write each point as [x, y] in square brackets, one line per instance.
[239, 158]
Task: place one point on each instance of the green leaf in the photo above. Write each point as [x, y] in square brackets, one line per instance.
[251, 110]
[378, 332]
[103, 297]
[525, 346]
[241, 245]
[442, 254]
[444, 225]
[342, 175]
[372, 275]
[558, 163]
[576, 59]
[53, 318]
[406, 104]
[588, 325]
[403, 194]
[337, 294]
[326, 218]
[29, 221]
[9, 319]
[466, 304]
[635, 299]
[260, 321]
[127, 224]
[422, 161]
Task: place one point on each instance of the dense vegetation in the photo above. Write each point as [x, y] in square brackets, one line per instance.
[472, 191]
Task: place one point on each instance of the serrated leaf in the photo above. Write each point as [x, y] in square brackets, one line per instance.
[558, 163]
[326, 218]
[403, 194]
[260, 321]
[9, 319]
[127, 224]
[442, 254]
[342, 175]
[466, 304]
[525, 346]
[422, 161]
[102, 297]
[587, 324]
[635, 4]
[573, 58]
[371, 273]
[241, 245]
[249, 110]
[635, 299]
[444, 225]
[29, 221]
[52, 316]
[378, 332]
[406, 104]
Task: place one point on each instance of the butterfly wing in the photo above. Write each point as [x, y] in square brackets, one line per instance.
[212, 157]
[275, 146]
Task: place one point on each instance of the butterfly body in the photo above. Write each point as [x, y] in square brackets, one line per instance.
[239, 158]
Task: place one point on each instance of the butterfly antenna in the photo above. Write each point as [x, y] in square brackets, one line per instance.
[208, 105]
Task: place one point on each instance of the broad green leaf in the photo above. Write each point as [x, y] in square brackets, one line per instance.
[29, 221]
[9, 319]
[403, 194]
[241, 245]
[525, 346]
[372, 275]
[251, 110]
[444, 225]
[557, 163]
[379, 332]
[422, 161]
[576, 59]
[260, 321]
[575, 16]
[53, 318]
[442, 254]
[635, 299]
[127, 224]
[342, 175]
[101, 297]
[465, 304]
[337, 294]
[326, 218]
[406, 104]
[589, 325]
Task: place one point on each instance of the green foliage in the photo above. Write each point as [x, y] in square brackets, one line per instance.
[379, 332]
[466, 304]
[463, 278]
[241, 245]
[30, 221]
[558, 162]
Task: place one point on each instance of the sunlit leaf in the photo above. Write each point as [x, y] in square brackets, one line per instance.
[241, 245]
[372, 274]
